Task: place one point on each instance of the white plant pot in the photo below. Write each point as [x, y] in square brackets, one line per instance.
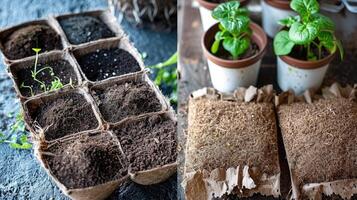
[227, 80]
[206, 18]
[271, 15]
[298, 79]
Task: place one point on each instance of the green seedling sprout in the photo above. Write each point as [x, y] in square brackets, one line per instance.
[167, 77]
[17, 138]
[234, 32]
[56, 84]
[306, 29]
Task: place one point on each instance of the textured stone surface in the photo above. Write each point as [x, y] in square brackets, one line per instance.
[21, 176]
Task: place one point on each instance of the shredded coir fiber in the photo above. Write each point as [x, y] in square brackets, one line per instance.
[320, 139]
[224, 134]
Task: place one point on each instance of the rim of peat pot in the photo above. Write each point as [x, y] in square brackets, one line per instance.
[210, 6]
[258, 36]
[281, 4]
[303, 64]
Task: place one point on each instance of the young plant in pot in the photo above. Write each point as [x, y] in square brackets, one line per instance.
[305, 47]
[272, 12]
[234, 48]
[207, 6]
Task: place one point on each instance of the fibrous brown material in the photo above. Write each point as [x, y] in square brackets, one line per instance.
[320, 139]
[229, 139]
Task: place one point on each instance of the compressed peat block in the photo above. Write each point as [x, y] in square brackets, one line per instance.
[232, 145]
[150, 144]
[127, 97]
[320, 139]
[86, 166]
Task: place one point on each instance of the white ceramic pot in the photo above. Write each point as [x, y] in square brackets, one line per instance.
[271, 15]
[228, 75]
[227, 80]
[299, 79]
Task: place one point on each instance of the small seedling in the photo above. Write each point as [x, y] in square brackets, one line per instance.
[167, 77]
[306, 30]
[56, 83]
[234, 32]
[17, 138]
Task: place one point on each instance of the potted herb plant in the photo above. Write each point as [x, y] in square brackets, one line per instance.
[305, 47]
[272, 12]
[234, 48]
[206, 8]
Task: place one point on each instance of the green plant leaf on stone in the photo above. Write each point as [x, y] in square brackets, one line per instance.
[282, 43]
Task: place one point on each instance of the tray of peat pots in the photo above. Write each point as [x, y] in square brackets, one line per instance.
[87, 166]
[62, 114]
[108, 59]
[206, 7]
[234, 48]
[272, 12]
[305, 47]
[43, 74]
[129, 96]
[149, 142]
[17, 42]
[87, 27]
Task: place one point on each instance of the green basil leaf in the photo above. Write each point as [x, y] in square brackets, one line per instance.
[305, 7]
[282, 43]
[303, 33]
[236, 25]
[226, 10]
[327, 39]
[215, 46]
[236, 46]
[323, 23]
[289, 21]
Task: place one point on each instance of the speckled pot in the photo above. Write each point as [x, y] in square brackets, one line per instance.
[300, 75]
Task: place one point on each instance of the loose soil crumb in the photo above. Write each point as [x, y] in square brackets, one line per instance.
[320, 139]
[65, 115]
[149, 142]
[106, 63]
[19, 44]
[87, 161]
[61, 68]
[129, 99]
[82, 29]
[223, 134]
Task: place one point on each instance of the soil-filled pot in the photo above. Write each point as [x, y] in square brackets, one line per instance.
[206, 7]
[228, 75]
[301, 75]
[273, 11]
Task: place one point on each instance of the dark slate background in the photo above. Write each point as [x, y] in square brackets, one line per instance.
[21, 177]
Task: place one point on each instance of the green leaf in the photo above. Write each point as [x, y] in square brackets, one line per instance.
[305, 7]
[236, 25]
[282, 43]
[323, 23]
[327, 41]
[302, 33]
[236, 46]
[226, 10]
[215, 46]
[172, 60]
[289, 21]
[340, 48]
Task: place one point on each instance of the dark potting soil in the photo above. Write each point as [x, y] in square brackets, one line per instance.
[253, 49]
[106, 63]
[129, 99]
[149, 142]
[61, 69]
[19, 44]
[87, 160]
[69, 113]
[82, 29]
[300, 53]
[336, 197]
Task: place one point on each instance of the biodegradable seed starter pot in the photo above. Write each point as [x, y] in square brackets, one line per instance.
[227, 75]
[104, 85]
[206, 7]
[272, 12]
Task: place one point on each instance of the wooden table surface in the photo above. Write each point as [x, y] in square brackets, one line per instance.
[193, 71]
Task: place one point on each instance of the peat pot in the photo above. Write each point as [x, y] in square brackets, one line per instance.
[272, 12]
[206, 8]
[228, 75]
[300, 75]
